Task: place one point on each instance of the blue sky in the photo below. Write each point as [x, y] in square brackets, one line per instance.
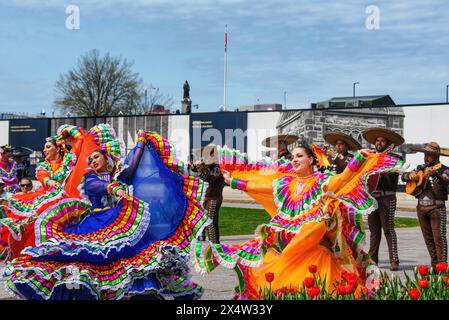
[313, 50]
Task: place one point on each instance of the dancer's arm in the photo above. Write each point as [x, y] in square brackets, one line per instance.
[96, 187]
[134, 162]
[247, 186]
[44, 178]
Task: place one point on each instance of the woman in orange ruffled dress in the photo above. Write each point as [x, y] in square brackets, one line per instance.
[308, 226]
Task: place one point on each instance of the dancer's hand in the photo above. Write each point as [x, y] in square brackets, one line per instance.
[227, 176]
[365, 152]
[122, 194]
[53, 183]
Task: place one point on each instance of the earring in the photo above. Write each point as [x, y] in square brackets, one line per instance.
[109, 168]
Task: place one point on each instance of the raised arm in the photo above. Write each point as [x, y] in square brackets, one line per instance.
[133, 163]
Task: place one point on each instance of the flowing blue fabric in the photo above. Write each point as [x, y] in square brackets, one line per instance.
[153, 183]
[162, 189]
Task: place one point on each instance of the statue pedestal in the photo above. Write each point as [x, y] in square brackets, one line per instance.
[186, 106]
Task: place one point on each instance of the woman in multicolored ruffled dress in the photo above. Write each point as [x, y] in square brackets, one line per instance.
[119, 245]
[307, 226]
[22, 209]
[8, 169]
[17, 229]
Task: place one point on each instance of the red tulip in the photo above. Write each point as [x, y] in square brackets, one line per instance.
[313, 268]
[414, 293]
[313, 292]
[441, 267]
[309, 282]
[341, 289]
[349, 288]
[423, 271]
[269, 276]
[424, 284]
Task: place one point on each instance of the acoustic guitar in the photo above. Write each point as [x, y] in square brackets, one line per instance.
[415, 188]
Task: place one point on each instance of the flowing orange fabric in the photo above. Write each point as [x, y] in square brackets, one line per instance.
[291, 267]
[82, 147]
[260, 188]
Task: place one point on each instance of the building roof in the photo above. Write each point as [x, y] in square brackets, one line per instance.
[357, 101]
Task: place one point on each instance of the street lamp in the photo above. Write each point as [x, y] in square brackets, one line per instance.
[285, 99]
[146, 97]
[353, 88]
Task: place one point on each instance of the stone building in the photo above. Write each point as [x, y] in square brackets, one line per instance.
[311, 125]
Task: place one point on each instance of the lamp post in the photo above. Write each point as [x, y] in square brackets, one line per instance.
[151, 97]
[353, 88]
[285, 99]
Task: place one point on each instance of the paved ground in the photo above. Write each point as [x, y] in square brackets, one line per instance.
[219, 285]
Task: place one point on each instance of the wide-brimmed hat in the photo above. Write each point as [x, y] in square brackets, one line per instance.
[334, 136]
[372, 134]
[206, 150]
[21, 152]
[273, 142]
[432, 148]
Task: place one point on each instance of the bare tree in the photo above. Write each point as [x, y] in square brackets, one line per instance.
[99, 86]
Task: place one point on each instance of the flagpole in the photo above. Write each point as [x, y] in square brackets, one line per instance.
[225, 65]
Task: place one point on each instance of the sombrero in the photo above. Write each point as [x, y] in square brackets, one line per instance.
[433, 148]
[21, 152]
[372, 134]
[206, 150]
[273, 142]
[333, 137]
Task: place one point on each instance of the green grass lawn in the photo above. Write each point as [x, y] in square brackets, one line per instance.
[243, 221]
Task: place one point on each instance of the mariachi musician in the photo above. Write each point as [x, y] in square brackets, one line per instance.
[209, 170]
[429, 184]
[342, 143]
[281, 143]
[383, 188]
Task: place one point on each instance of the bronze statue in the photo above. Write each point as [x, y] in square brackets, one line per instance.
[186, 91]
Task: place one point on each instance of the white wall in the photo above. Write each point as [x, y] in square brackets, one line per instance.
[425, 124]
[260, 126]
[178, 135]
[4, 132]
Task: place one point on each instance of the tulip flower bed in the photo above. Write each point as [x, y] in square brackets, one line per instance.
[425, 284]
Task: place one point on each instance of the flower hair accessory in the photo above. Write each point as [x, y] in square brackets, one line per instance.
[60, 142]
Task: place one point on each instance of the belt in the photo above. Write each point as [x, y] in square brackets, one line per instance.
[430, 202]
[380, 193]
